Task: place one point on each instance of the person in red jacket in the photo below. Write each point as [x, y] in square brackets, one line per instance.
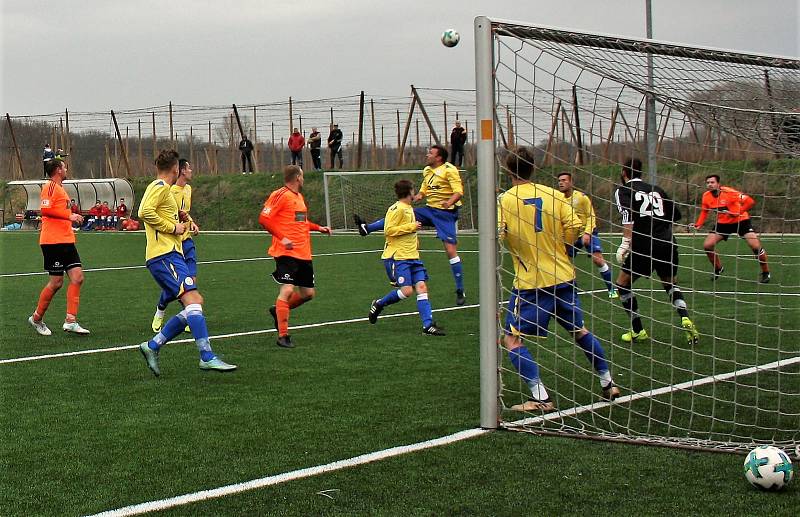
[731, 207]
[75, 209]
[94, 217]
[120, 213]
[296, 144]
[105, 216]
[285, 216]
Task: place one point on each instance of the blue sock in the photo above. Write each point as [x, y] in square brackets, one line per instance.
[424, 309]
[172, 328]
[455, 267]
[374, 226]
[523, 361]
[594, 352]
[606, 275]
[393, 297]
[197, 324]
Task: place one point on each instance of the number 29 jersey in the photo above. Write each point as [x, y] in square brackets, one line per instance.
[650, 210]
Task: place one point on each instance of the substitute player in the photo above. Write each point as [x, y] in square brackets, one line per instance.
[164, 255]
[442, 188]
[647, 245]
[731, 207]
[57, 240]
[285, 216]
[590, 239]
[182, 191]
[401, 258]
[537, 223]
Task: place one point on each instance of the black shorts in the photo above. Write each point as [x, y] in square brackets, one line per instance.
[659, 256]
[60, 257]
[741, 228]
[289, 270]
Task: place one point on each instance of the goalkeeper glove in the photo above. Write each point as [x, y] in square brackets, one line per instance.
[623, 250]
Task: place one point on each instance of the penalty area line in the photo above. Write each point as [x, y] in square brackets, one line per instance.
[221, 336]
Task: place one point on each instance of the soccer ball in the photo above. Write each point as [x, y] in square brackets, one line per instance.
[768, 468]
[450, 38]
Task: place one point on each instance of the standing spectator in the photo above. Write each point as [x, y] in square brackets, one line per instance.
[246, 148]
[105, 216]
[57, 241]
[458, 138]
[75, 209]
[296, 144]
[335, 145]
[315, 144]
[47, 155]
[164, 258]
[285, 216]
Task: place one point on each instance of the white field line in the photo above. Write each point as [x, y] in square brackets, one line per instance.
[214, 493]
[220, 336]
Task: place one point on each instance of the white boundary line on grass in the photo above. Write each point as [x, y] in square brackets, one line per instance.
[214, 493]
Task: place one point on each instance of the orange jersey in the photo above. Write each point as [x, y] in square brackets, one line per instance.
[731, 206]
[285, 215]
[56, 226]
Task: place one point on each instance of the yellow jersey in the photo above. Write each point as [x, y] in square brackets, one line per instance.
[400, 230]
[159, 212]
[183, 197]
[440, 183]
[582, 206]
[536, 223]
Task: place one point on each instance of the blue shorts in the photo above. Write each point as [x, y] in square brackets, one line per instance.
[171, 274]
[190, 256]
[529, 310]
[445, 221]
[594, 245]
[405, 272]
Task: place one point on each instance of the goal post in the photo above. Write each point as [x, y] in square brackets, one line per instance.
[584, 103]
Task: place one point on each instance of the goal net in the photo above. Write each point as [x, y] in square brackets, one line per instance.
[370, 193]
[583, 104]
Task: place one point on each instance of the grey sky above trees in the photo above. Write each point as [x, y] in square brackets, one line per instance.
[95, 55]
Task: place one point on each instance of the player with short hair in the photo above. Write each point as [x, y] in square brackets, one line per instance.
[731, 207]
[182, 191]
[105, 216]
[57, 240]
[164, 255]
[443, 190]
[401, 260]
[285, 216]
[536, 224]
[590, 239]
[648, 244]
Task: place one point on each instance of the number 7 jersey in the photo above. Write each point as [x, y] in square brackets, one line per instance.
[648, 208]
[537, 223]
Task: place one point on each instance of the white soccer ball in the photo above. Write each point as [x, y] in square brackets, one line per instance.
[768, 468]
[450, 38]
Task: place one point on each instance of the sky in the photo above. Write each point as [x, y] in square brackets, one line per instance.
[96, 55]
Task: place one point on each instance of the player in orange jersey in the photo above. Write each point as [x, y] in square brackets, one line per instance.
[57, 241]
[731, 207]
[285, 216]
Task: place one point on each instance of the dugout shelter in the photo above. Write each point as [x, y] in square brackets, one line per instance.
[84, 191]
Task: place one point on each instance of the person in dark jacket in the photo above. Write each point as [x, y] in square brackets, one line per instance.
[335, 145]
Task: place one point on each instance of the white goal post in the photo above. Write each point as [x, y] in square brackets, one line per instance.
[585, 103]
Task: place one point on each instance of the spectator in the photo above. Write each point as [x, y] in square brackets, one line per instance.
[105, 216]
[94, 217]
[61, 154]
[335, 145]
[75, 209]
[458, 138]
[47, 154]
[246, 148]
[296, 144]
[121, 212]
[315, 144]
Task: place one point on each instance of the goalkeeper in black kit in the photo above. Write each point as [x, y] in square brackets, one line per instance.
[648, 244]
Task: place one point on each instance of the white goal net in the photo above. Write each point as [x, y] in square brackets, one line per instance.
[584, 104]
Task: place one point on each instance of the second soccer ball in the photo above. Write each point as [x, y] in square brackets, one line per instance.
[450, 38]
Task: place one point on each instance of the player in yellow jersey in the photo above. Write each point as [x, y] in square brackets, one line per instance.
[182, 190]
[589, 240]
[164, 255]
[401, 260]
[442, 189]
[536, 223]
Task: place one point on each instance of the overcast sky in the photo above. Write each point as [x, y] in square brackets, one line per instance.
[96, 55]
